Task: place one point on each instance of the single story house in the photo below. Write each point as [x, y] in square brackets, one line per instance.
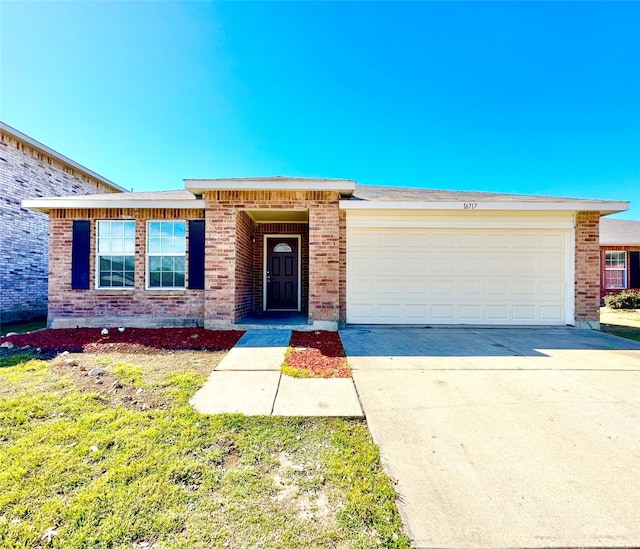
[619, 256]
[30, 169]
[223, 252]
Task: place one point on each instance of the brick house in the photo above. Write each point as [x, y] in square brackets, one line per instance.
[231, 252]
[619, 256]
[29, 169]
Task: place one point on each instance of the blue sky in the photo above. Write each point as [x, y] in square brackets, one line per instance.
[522, 97]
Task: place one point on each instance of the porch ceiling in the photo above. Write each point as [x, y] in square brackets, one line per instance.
[279, 216]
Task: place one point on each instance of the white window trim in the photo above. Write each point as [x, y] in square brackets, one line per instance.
[624, 270]
[98, 255]
[147, 273]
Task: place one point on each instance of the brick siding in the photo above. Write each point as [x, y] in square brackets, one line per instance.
[587, 269]
[244, 266]
[130, 307]
[610, 248]
[26, 172]
[343, 266]
[224, 270]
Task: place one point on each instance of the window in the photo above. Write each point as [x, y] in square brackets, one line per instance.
[282, 247]
[615, 270]
[166, 247]
[116, 254]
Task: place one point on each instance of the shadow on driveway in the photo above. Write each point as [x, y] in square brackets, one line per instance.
[383, 341]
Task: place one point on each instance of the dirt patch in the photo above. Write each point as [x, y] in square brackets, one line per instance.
[103, 374]
[320, 353]
[129, 340]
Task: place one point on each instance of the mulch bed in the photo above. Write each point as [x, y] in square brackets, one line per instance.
[320, 353]
[131, 340]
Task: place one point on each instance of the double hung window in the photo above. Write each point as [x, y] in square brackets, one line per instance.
[166, 252]
[116, 254]
[615, 270]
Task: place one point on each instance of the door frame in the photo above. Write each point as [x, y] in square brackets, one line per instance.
[266, 239]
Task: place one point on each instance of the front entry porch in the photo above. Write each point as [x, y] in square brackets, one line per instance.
[272, 260]
[285, 320]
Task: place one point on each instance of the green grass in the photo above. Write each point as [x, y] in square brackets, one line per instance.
[23, 327]
[620, 317]
[292, 371]
[621, 322]
[103, 475]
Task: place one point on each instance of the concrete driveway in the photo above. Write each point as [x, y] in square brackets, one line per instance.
[506, 437]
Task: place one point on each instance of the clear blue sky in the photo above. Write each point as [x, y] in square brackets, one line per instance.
[522, 97]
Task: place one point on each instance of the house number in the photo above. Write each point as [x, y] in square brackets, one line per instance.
[470, 205]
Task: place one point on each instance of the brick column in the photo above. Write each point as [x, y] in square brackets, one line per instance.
[324, 263]
[587, 284]
[220, 262]
[343, 266]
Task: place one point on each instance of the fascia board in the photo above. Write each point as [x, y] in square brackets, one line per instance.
[605, 207]
[198, 186]
[46, 205]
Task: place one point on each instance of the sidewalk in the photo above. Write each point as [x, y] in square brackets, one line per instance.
[248, 381]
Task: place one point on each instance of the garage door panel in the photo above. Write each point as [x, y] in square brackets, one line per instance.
[484, 276]
[497, 313]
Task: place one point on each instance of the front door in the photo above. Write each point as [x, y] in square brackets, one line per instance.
[282, 274]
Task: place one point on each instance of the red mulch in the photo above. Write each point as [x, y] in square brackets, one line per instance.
[132, 340]
[319, 352]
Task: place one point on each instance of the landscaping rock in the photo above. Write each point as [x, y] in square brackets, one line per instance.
[104, 332]
[11, 334]
[7, 345]
[97, 372]
[116, 384]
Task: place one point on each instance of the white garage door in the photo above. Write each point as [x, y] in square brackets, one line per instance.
[456, 276]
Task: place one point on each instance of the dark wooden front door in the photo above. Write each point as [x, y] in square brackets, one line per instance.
[282, 274]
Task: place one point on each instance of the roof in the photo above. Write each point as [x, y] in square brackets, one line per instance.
[619, 232]
[60, 157]
[364, 197]
[373, 197]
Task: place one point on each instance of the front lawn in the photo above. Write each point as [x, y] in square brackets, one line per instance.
[621, 322]
[101, 449]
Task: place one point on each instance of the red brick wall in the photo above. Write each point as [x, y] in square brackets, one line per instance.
[587, 268]
[244, 266]
[343, 265]
[115, 307]
[222, 208]
[28, 172]
[603, 249]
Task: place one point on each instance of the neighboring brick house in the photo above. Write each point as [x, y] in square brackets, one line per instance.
[29, 169]
[619, 256]
[229, 252]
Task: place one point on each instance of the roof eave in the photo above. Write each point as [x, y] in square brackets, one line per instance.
[45, 205]
[605, 207]
[345, 187]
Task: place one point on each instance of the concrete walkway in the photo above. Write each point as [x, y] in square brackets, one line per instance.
[248, 381]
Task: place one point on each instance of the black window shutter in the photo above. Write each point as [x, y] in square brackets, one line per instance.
[634, 270]
[80, 253]
[196, 254]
